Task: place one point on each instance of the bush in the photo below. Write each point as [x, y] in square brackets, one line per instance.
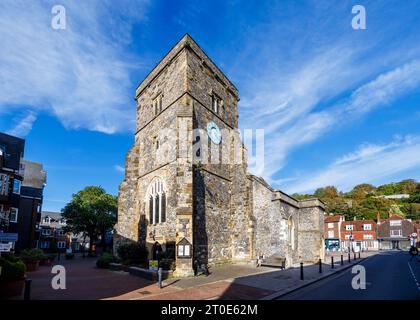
[31, 255]
[132, 253]
[169, 254]
[167, 264]
[104, 261]
[12, 268]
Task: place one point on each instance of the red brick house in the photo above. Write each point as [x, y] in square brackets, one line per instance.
[359, 235]
[332, 229]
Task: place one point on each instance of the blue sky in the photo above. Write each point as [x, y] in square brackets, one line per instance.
[339, 106]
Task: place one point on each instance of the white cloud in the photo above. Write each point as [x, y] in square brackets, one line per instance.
[384, 89]
[23, 125]
[370, 163]
[80, 74]
[119, 168]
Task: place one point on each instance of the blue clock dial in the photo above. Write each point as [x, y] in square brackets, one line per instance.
[214, 132]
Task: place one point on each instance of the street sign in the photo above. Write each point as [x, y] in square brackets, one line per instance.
[8, 237]
[5, 247]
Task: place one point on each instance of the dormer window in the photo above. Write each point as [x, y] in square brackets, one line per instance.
[157, 104]
[216, 103]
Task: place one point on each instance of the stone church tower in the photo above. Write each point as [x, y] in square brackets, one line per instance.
[186, 184]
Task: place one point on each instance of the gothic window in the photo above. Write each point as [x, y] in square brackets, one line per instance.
[157, 202]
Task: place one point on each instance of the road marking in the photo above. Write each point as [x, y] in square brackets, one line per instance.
[412, 273]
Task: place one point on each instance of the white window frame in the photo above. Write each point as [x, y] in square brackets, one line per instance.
[330, 225]
[19, 184]
[46, 232]
[367, 227]
[395, 223]
[16, 215]
[395, 233]
[367, 236]
[347, 236]
[349, 227]
[4, 184]
[61, 244]
[331, 234]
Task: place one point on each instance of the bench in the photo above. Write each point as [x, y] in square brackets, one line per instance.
[274, 262]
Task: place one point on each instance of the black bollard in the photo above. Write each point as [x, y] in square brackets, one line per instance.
[301, 271]
[359, 254]
[320, 266]
[342, 260]
[160, 278]
[332, 262]
[349, 257]
[27, 292]
[354, 256]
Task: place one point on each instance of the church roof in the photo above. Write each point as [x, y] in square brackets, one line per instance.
[186, 42]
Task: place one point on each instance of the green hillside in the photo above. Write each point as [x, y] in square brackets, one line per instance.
[364, 201]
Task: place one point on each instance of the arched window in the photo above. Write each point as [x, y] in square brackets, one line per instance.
[157, 202]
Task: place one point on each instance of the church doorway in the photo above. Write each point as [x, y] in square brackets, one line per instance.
[156, 249]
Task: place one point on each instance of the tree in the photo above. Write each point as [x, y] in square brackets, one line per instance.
[415, 196]
[360, 191]
[92, 211]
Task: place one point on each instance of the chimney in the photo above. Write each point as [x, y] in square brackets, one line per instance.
[378, 218]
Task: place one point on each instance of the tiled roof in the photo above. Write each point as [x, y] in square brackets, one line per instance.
[335, 218]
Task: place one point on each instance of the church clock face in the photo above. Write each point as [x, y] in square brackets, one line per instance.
[214, 132]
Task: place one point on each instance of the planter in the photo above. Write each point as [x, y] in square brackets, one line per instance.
[11, 288]
[32, 265]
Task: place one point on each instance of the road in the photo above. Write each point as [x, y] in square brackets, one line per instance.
[389, 275]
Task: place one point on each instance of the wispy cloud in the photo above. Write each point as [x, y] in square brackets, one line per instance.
[303, 80]
[80, 74]
[23, 125]
[384, 89]
[119, 168]
[370, 163]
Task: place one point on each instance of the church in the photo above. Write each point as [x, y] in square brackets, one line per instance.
[187, 185]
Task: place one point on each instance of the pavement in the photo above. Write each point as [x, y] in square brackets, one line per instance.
[390, 275]
[238, 281]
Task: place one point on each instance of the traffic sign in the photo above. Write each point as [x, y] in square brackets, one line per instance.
[8, 237]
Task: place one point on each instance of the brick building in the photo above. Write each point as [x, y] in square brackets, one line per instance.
[394, 232]
[332, 232]
[186, 182]
[359, 235]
